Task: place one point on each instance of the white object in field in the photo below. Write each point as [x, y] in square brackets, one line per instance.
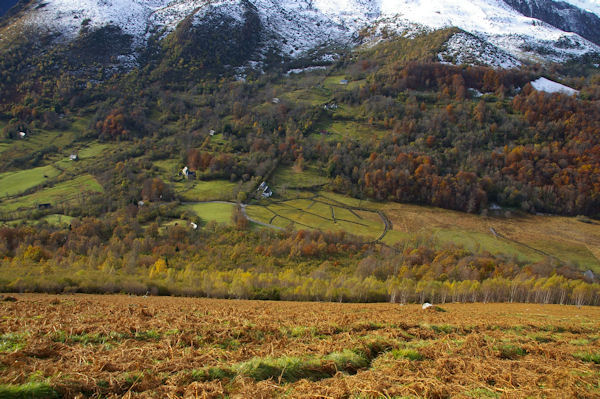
[549, 86]
[426, 305]
[22, 134]
[194, 225]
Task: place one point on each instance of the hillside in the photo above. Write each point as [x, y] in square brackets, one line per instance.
[402, 161]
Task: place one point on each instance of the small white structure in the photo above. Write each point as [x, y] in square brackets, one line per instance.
[549, 86]
[188, 174]
[344, 81]
[140, 204]
[194, 226]
[22, 135]
[266, 191]
[212, 132]
[426, 305]
[73, 157]
[276, 100]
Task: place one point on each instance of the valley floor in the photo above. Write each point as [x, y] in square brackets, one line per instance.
[114, 346]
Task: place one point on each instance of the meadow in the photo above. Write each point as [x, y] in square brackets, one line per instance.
[59, 194]
[119, 346]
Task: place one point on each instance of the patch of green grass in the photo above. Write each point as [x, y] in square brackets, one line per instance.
[288, 177]
[63, 192]
[15, 183]
[213, 190]
[32, 390]
[299, 331]
[351, 129]
[407, 353]
[588, 357]
[57, 219]
[217, 212]
[150, 335]
[512, 352]
[313, 96]
[475, 241]
[290, 369]
[576, 253]
[93, 150]
[211, 373]
[259, 213]
[580, 342]
[320, 213]
[11, 342]
[334, 83]
[443, 328]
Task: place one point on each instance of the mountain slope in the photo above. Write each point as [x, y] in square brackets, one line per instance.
[561, 15]
[523, 29]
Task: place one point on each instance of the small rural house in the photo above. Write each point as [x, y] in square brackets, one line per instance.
[344, 81]
[74, 157]
[188, 174]
[264, 190]
[22, 135]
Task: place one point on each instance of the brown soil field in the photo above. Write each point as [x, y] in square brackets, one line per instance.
[163, 347]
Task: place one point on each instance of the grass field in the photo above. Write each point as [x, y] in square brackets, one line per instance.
[319, 213]
[60, 193]
[333, 83]
[14, 183]
[350, 129]
[531, 238]
[218, 212]
[288, 177]
[115, 346]
[213, 190]
[57, 219]
[528, 238]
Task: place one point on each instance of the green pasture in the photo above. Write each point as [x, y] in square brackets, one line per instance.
[59, 194]
[14, 183]
[213, 190]
[218, 212]
[318, 213]
[288, 177]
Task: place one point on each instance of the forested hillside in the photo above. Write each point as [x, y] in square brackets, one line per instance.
[93, 198]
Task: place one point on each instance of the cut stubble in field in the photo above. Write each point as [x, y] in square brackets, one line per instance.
[181, 347]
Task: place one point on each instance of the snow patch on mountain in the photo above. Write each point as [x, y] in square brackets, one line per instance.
[463, 48]
[67, 16]
[550, 86]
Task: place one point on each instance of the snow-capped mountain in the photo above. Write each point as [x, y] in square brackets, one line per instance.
[496, 32]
